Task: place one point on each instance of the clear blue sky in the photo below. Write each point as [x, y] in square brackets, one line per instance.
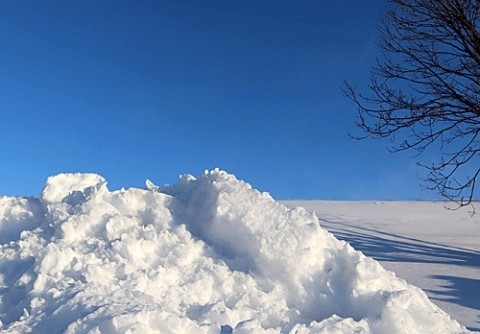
[153, 89]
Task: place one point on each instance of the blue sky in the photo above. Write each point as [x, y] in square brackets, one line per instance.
[153, 89]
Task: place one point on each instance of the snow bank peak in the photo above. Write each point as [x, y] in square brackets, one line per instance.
[60, 186]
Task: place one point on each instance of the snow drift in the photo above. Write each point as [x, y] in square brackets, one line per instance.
[207, 255]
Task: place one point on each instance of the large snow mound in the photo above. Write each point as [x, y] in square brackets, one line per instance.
[207, 255]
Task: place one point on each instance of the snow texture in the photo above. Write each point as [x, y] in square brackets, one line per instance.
[207, 255]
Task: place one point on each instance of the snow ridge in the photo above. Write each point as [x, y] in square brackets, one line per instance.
[207, 255]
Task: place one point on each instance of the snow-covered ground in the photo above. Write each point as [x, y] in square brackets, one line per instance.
[433, 248]
[212, 255]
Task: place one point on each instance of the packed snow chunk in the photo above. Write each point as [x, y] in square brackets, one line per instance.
[18, 214]
[61, 186]
[208, 255]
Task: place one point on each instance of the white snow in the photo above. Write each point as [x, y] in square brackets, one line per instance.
[207, 255]
[431, 247]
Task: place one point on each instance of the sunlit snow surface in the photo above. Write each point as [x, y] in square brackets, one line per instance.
[431, 246]
[207, 255]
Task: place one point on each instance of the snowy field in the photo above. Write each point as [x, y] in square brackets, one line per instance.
[435, 249]
[213, 255]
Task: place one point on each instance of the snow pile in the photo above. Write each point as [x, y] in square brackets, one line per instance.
[207, 255]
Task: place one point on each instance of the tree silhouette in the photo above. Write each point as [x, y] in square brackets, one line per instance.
[425, 90]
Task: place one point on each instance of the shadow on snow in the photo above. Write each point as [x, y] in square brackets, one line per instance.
[388, 247]
[459, 290]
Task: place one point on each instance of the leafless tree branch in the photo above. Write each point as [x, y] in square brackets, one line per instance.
[425, 91]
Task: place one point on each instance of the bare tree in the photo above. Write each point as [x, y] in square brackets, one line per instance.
[425, 91]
